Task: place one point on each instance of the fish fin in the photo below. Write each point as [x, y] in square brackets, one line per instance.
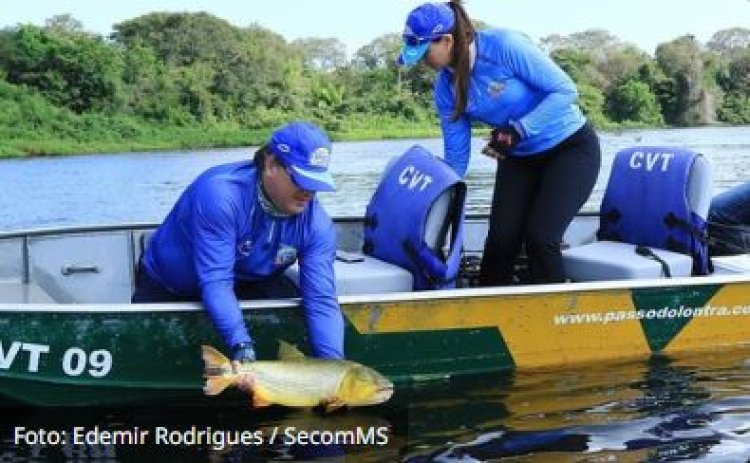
[216, 371]
[216, 384]
[260, 397]
[259, 402]
[332, 405]
[214, 361]
[288, 351]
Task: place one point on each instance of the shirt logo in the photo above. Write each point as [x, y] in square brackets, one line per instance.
[286, 255]
[245, 247]
[495, 89]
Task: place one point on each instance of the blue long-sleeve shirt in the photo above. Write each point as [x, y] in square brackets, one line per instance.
[218, 232]
[512, 82]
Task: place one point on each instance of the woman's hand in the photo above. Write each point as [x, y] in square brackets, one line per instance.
[501, 141]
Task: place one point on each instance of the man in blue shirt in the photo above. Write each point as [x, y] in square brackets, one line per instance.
[238, 226]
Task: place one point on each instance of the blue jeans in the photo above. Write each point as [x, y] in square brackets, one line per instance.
[729, 221]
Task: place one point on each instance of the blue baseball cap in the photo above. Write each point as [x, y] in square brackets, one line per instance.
[424, 24]
[305, 151]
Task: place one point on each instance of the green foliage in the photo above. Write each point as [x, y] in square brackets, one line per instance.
[322, 54]
[72, 69]
[591, 100]
[194, 80]
[634, 102]
[735, 109]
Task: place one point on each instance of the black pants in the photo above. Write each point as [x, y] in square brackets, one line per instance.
[149, 290]
[534, 201]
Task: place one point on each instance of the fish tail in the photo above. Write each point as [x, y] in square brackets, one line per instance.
[216, 384]
[217, 371]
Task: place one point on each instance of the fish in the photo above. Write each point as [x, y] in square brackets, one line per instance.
[295, 380]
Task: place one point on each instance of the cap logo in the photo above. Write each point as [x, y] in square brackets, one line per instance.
[283, 147]
[321, 157]
[437, 29]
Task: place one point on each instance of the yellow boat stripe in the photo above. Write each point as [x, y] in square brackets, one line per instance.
[719, 319]
[525, 322]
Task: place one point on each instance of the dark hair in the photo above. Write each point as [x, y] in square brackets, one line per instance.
[463, 35]
[260, 157]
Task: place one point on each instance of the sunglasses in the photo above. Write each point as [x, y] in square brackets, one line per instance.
[413, 40]
[288, 170]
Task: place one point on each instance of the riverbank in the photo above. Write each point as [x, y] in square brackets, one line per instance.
[160, 138]
[131, 136]
[200, 138]
[34, 136]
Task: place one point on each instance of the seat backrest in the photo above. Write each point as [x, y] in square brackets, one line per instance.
[416, 213]
[438, 221]
[659, 197]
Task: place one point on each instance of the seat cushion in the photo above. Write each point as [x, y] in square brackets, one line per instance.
[364, 275]
[609, 260]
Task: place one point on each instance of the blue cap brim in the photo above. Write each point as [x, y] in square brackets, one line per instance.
[311, 180]
[410, 55]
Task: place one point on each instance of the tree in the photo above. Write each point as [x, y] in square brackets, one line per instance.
[181, 38]
[682, 61]
[735, 82]
[621, 64]
[64, 23]
[75, 70]
[730, 42]
[579, 65]
[591, 100]
[322, 54]
[592, 40]
[380, 53]
[737, 74]
[633, 101]
[596, 56]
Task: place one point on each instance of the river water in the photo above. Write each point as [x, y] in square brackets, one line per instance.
[660, 409]
[141, 187]
[692, 408]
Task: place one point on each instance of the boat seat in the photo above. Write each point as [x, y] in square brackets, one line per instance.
[635, 255]
[731, 265]
[415, 219]
[360, 274]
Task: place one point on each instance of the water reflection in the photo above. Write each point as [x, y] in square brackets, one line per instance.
[664, 409]
[688, 408]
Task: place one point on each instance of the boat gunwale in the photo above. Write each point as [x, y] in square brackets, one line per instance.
[389, 298]
[137, 226]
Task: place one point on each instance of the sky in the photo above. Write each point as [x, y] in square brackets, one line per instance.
[645, 23]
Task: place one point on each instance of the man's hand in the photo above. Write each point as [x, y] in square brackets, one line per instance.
[501, 141]
[243, 355]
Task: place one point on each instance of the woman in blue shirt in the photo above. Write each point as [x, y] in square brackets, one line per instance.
[548, 155]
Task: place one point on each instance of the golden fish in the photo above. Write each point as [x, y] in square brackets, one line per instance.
[298, 381]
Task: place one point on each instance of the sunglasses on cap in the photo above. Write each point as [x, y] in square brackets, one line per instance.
[414, 41]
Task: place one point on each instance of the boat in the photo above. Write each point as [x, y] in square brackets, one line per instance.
[69, 336]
